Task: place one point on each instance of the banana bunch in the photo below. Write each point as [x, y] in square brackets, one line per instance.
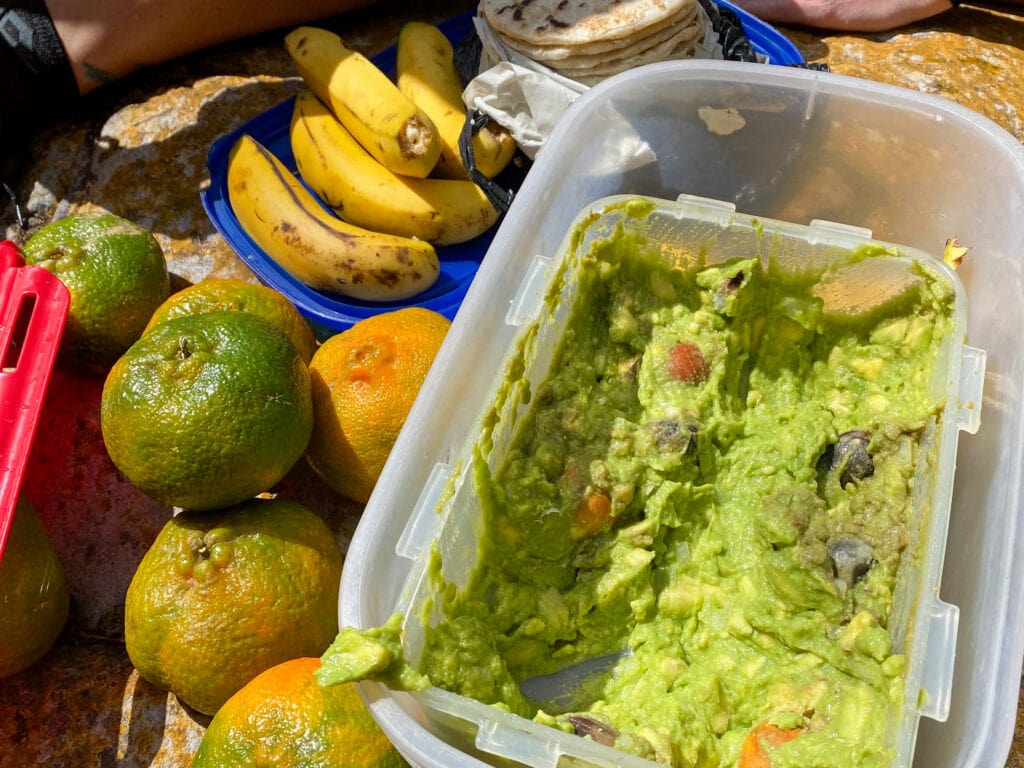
[312, 245]
[383, 156]
[363, 192]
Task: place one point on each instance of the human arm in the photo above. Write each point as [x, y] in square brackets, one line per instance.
[847, 15]
[107, 40]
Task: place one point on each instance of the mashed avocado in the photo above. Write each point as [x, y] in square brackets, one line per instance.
[714, 484]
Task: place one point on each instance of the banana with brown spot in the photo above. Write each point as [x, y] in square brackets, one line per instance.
[314, 246]
[365, 193]
[388, 125]
[426, 74]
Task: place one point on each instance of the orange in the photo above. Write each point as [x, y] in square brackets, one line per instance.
[222, 596]
[230, 295]
[364, 381]
[116, 275]
[33, 595]
[208, 410]
[284, 719]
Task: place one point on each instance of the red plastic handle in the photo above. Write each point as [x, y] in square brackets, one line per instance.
[33, 308]
[10, 256]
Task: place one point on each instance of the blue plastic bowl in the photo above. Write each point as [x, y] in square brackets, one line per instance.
[329, 314]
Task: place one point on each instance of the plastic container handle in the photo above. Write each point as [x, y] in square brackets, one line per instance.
[423, 522]
[10, 256]
[972, 389]
[33, 308]
[937, 670]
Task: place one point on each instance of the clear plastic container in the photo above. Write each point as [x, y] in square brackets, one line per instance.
[795, 146]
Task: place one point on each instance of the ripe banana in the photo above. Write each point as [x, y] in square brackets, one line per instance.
[365, 193]
[426, 74]
[388, 125]
[315, 247]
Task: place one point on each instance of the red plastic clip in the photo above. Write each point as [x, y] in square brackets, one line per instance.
[33, 308]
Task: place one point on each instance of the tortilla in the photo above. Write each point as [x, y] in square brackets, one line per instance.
[690, 34]
[579, 22]
[620, 47]
[592, 79]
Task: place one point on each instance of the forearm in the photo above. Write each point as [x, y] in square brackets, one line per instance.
[847, 15]
[110, 39]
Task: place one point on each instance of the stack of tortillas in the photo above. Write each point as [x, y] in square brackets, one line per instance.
[590, 40]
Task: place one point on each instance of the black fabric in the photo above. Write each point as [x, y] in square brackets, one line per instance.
[37, 84]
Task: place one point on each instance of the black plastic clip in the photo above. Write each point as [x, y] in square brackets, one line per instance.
[815, 66]
[500, 197]
[14, 202]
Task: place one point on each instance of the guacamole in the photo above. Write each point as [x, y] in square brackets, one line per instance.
[713, 489]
